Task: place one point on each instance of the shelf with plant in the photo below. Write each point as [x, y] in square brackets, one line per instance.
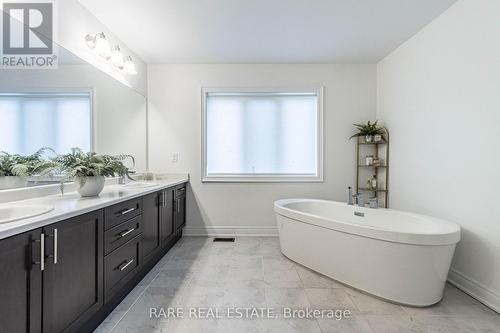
[89, 169]
[15, 169]
[371, 132]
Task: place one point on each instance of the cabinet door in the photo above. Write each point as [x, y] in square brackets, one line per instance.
[180, 212]
[166, 215]
[150, 224]
[21, 283]
[73, 276]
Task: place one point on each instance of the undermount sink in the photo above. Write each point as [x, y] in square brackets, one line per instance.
[19, 212]
[139, 184]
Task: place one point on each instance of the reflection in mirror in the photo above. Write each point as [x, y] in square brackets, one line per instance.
[75, 105]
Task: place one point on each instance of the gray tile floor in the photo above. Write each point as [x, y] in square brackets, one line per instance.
[252, 273]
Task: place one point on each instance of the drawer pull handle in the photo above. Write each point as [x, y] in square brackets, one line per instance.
[126, 232]
[125, 265]
[126, 211]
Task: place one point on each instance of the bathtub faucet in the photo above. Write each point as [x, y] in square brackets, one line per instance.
[358, 200]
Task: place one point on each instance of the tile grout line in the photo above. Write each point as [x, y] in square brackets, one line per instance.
[142, 293]
[370, 325]
[133, 303]
[308, 299]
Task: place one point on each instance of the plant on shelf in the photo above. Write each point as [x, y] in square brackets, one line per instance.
[90, 169]
[15, 169]
[371, 131]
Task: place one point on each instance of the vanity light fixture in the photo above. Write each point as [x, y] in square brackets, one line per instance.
[129, 66]
[101, 46]
[116, 57]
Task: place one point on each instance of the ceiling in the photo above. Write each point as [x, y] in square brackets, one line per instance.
[265, 31]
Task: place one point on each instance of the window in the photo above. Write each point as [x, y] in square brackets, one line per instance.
[262, 136]
[30, 121]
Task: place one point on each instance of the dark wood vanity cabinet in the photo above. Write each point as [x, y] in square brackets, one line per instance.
[159, 216]
[68, 276]
[21, 283]
[180, 207]
[73, 274]
[60, 292]
[166, 215]
[151, 225]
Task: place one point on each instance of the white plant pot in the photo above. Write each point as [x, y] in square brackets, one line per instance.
[89, 186]
[7, 182]
[377, 138]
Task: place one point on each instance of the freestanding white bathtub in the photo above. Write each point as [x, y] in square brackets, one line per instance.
[398, 256]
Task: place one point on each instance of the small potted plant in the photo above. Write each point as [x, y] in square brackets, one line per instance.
[370, 131]
[15, 169]
[90, 169]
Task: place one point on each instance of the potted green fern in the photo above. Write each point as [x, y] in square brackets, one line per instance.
[371, 131]
[15, 169]
[90, 169]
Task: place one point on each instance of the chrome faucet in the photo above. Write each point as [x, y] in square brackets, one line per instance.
[361, 200]
[357, 199]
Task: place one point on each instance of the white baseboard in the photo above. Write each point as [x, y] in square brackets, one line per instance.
[230, 231]
[475, 289]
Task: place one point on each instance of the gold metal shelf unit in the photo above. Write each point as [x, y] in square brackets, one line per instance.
[381, 172]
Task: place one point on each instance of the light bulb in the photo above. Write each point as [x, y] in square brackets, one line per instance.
[102, 46]
[116, 57]
[90, 41]
[129, 66]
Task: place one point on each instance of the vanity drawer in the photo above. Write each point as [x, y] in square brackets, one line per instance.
[121, 265]
[180, 190]
[122, 233]
[121, 212]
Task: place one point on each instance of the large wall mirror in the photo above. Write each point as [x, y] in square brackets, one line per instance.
[75, 105]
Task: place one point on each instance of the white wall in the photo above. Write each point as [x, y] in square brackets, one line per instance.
[439, 94]
[175, 126]
[74, 22]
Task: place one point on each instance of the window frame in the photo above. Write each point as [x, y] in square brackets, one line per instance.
[263, 178]
[62, 91]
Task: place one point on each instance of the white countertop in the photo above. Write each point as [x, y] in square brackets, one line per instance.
[72, 204]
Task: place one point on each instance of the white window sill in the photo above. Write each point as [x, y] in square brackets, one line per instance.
[262, 179]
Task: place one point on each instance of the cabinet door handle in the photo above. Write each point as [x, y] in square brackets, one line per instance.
[163, 199]
[126, 232]
[125, 264]
[55, 246]
[126, 211]
[42, 252]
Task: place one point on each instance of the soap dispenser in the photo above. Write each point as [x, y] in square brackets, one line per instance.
[374, 182]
